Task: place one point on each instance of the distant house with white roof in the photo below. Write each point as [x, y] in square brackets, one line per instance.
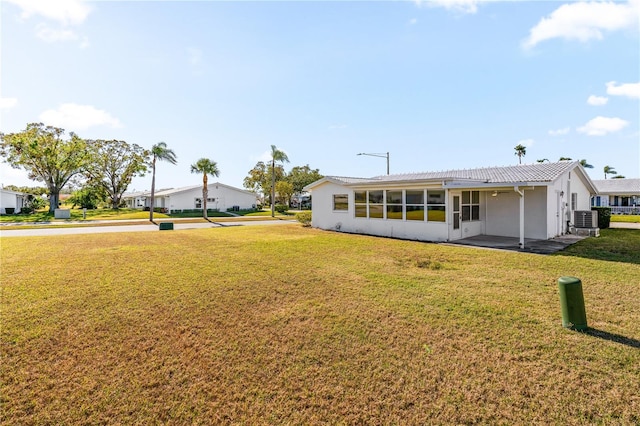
[622, 195]
[534, 201]
[221, 197]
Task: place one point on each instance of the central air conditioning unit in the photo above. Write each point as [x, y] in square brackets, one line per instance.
[585, 219]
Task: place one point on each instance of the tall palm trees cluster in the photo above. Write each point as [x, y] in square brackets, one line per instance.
[608, 170]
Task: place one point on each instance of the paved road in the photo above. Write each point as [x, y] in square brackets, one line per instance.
[624, 225]
[132, 228]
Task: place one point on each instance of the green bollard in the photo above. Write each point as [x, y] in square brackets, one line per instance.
[166, 226]
[574, 315]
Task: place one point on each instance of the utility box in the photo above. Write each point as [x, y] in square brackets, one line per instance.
[166, 226]
[62, 214]
[574, 315]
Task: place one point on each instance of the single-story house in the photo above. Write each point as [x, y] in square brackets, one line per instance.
[622, 195]
[221, 197]
[12, 200]
[533, 201]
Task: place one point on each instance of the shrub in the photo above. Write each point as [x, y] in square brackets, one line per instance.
[281, 208]
[26, 210]
[604, 216]
[304, 218]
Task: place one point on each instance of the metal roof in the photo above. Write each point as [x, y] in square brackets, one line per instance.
[618, 186]
[533, 173]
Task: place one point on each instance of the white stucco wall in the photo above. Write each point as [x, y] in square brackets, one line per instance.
[225, 198]
[324, 217]
[561, 189]
[503, 213]
[9, 199]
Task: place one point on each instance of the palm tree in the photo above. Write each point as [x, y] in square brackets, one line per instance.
[564, 159]
[618, 177]
[608, 170]
[543, 160]
[206, 167]
[276, 155]
[159, 152]
[521, 151]
[586, 165]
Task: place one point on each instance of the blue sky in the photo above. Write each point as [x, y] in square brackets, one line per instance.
[442, 84]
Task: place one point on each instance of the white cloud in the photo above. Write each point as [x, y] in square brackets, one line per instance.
[464, 6]
[8, 103]
[526, 142]
[413, 21]
[584, 21]
[601, 126]
[66, 12]
[50, 35]
[631, 90]
[337, 126]
[76, 117]
[597, 100]
[560, 132]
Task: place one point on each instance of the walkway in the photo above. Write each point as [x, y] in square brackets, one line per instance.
[146, 227]
[511, 243]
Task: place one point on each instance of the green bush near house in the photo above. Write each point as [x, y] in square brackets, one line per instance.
[281, 208]
[304, 218]
[604, 216]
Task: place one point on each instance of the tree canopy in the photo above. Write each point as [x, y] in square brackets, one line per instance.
[259, 178]
[113, 166]
[521, 151]
[301, 176]
[608, 170]
[46, 156]
[285, 191]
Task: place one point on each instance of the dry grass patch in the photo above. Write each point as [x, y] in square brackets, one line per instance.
[264, 325]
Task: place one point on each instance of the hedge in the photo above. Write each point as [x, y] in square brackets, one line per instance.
[604, 216]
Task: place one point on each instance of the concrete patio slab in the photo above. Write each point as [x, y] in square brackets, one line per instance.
[511, 243]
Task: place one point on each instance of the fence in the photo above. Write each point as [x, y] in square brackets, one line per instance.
[625, 210]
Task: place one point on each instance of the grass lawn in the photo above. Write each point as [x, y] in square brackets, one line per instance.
[629, 218]
[292, 325]
[77, 214]
[125, 214]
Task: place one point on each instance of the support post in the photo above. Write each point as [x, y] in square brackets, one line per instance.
[521, 214]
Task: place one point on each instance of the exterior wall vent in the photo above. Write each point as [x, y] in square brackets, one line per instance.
[585, 219]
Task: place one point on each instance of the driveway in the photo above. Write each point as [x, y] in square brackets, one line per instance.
[134, 228]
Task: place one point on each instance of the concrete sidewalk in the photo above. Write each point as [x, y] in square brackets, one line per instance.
[624, 225]
[143, 227]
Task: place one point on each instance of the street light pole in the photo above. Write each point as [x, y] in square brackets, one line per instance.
[377, 154]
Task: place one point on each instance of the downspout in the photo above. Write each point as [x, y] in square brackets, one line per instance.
[521, 193]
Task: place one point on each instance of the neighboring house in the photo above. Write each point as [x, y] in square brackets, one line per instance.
[622, 195]
[11, 200]
[221, 197]
[137, 200]
[534, 201]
